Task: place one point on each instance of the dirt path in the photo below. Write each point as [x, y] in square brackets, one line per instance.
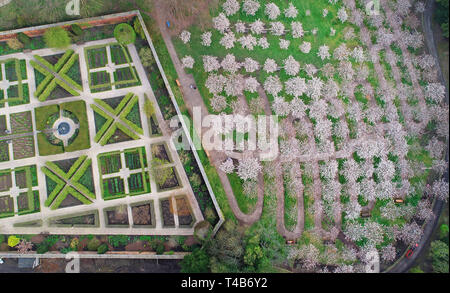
[192, 98]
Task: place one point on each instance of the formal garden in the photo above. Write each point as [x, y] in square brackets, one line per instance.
[78, 102]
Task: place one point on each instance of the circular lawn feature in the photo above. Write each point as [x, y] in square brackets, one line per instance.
[124, 34]
[63, 128]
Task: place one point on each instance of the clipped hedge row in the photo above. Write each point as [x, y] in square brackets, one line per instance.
[76, 165]
[127, 131]
[55, 169]
[55, 191]
[108, 134]
[123, 103]
[63, 60]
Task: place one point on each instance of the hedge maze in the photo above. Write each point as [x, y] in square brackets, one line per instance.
[62, 185]
[110, 66]
[13, 83]
[55, 75]
[120, 123]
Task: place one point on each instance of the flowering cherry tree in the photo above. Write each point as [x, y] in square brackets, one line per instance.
[221, 23]
[250, 7]
[251, 65]
[228, 40]
[257, 27]
[218, 103]
[284, 44]
[270, 66]
[305, 47]
[187, 62]
[206, 39]
[185, 36]
[342, 14]
[273, 85]
[323, 52]
[227, 166]
[231, 7]
[291, 66]
[295, 86]
[248, 168]
[291, 11]
[210, 63]
[272, 11]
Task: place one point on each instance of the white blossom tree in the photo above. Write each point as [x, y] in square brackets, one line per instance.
[305, 47]
[248, 42]
[250, 7]
[284, 44]
[251, 84]
[270, 65]
[210, 63]
[342, 14]
[297, 29]
[251, 65]
[263, 43]
[228, 40]
[419, 7]
[273, 85]
[231, 7]
[314, 87]
[323, 52]
[388, 253]
[218, 103]
[248, 168]
[291, 11]
[257, 27]
[297, 108]
[440, 189]
[221, 23]
[215, 83]
[187, 62]
[295, 86]
[240, 27]
[277, 28]
[435, 92]
[403, 7]
[341, 53]
[230, 64]
[291, 66]
[227, 166]
[234, 86]
[206, 39]
[272, 11]
[185, 36]
[280, 106]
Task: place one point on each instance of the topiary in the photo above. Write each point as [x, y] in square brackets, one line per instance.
[102, 248]
[93, 244]
[13, 241]
[2, 238]
[57, 37]
[124, 34]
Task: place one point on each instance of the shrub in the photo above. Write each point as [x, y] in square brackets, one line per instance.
[138, 28]
[439, 256]
[196, 262]
[124, 34]
[118, 240]
[13, 241]
[76, 29]
[14, 44]
[149, 108]
[93, 244]
[56, 37]
[159, 248]
[146, 56]
[43, 248]
[74, 243]
[23, 38]
[102, 248]
[2, 238]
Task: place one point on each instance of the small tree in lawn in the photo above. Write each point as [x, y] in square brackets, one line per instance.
[124, 34]
[56, 37]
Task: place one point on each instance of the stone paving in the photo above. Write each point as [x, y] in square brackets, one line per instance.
[6, 224]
